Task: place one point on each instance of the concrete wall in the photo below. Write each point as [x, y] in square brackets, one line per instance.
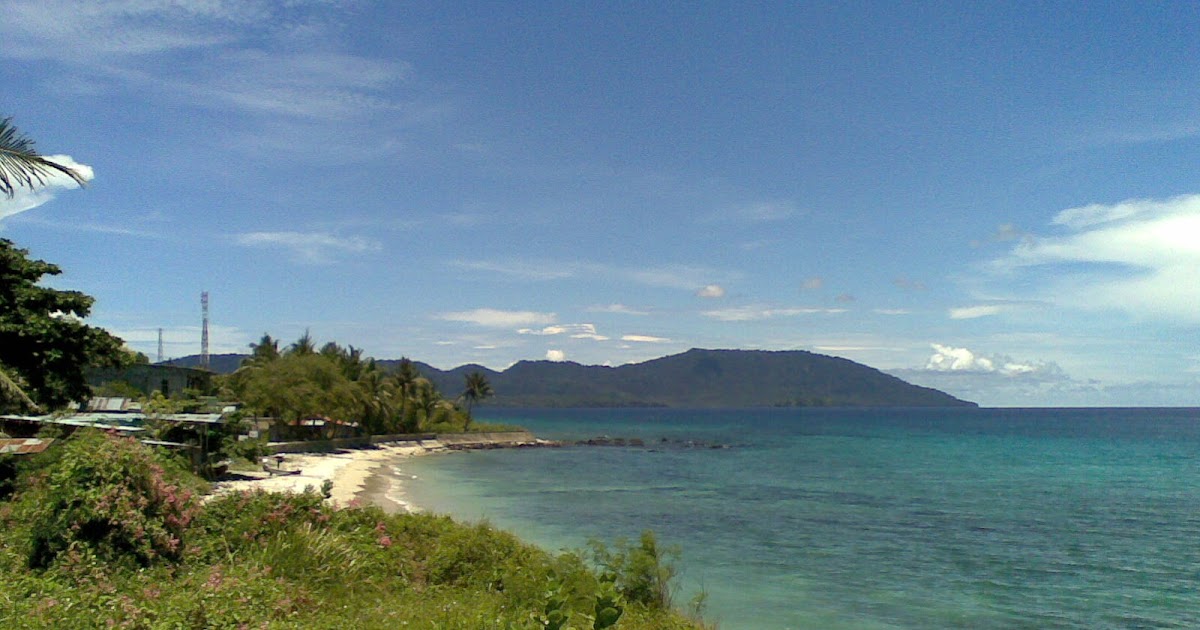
[150, 378]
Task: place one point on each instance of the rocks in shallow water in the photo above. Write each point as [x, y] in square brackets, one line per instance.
[661, 444]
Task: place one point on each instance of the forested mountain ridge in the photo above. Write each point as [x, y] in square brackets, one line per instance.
[696, 378]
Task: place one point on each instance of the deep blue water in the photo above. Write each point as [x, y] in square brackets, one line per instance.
[896, 518]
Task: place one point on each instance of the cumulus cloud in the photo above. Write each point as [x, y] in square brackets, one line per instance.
[752, 313]
[951, 359]
[27, 199]
[308, 247]
[556, 355]
[1138, 256]
[495, 318]
[644, 339]
[711, 291]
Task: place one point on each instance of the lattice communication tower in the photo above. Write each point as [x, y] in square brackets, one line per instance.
[204, 330]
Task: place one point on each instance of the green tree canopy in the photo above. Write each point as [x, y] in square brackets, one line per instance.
[298, 386]
[477, 388]
[44, 345]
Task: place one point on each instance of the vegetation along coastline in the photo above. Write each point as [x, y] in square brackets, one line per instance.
[253, 498]
[106, 516]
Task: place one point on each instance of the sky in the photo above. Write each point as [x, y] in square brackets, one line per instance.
[1000, 200]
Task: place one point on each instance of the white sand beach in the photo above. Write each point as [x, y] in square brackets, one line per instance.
[358, 474]
[349, 470]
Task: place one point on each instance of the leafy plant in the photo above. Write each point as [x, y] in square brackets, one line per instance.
[110, 497]
[642, 573]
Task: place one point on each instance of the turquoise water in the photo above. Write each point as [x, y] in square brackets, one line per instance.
[870, 518]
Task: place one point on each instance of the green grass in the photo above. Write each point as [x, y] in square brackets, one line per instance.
[264, 560]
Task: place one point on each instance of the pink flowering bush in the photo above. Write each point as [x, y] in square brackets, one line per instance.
[108, 497]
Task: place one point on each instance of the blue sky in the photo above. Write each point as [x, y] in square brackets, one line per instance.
[995, 199]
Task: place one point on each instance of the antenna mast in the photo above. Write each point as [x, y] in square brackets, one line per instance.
[204, 330]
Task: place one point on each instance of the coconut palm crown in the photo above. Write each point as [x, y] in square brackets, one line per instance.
[20, 164]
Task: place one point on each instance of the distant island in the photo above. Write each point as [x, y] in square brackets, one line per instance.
[696, 378]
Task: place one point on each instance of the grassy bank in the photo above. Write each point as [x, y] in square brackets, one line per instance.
[103, 532]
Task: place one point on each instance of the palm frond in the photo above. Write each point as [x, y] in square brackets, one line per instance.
[20, 164]
[11, 394]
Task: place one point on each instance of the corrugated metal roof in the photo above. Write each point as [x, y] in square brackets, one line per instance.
[24, 446]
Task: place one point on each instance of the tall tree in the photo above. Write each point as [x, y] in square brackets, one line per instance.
[304, 345]
[299, 386]
[267, 349]
[44, 345]
[477, 389]
[20, 164]
[405, 381]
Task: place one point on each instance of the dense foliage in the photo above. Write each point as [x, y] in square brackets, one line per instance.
[44, 345]
[264, 560]
[339, 383]
[106, 497]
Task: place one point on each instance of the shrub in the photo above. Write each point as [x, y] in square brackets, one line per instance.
[106, 496]
[641, 573]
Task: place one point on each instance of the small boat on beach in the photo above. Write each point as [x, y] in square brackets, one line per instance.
[278, 468]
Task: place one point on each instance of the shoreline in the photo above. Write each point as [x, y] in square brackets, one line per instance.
[364, 474]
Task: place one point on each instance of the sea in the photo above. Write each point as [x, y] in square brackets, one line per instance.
[865, 518]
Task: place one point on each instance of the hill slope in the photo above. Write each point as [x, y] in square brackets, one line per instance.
[696, 378]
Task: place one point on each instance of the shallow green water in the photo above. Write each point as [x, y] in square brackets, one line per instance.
[870, 519]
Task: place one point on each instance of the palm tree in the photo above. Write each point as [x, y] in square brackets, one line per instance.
[477, 389]
[304, 345]
[427, 399]
[20, 164]
[405, 380]
[267, 349]
[376, 392]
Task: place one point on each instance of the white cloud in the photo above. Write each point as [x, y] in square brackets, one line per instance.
[893, 311]
[813, 283]
[644, 339]
[556, 355]
[494, 318]
[616, 308]
[973, 312]
[27, 199]
[308, 247]
[711, 291]
[181, 341]
[518, 269]
[667, 276]
[753, 313]
[951, 359]
[576, 331]
[1138, 256]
